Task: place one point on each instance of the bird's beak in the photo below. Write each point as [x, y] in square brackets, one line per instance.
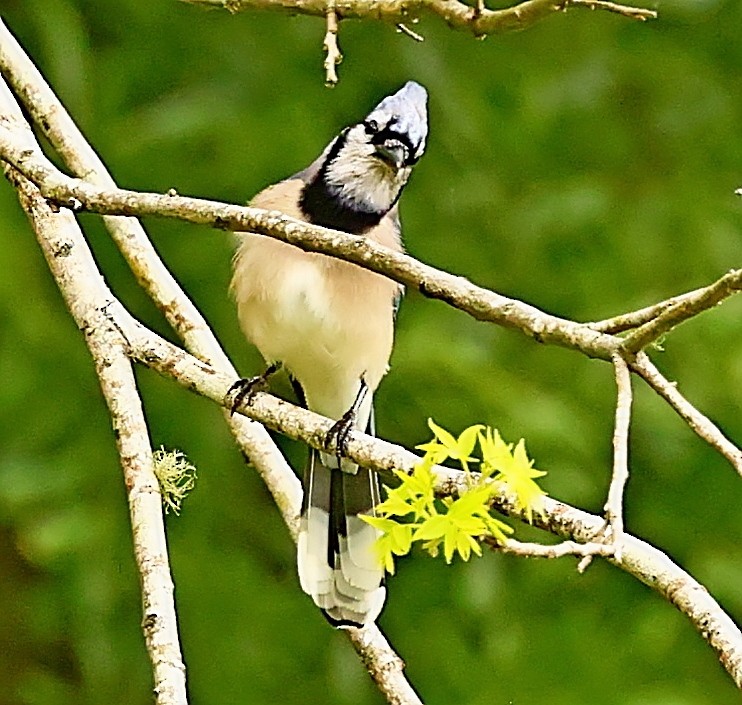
[394, 154]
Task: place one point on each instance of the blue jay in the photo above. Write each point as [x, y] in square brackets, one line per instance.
[330, 324]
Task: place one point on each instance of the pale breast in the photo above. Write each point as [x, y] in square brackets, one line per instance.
[328, 321]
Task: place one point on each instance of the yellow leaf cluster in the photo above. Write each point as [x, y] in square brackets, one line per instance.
[412, 513]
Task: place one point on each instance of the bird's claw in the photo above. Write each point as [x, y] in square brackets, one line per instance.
[244, 390]
[337, 437]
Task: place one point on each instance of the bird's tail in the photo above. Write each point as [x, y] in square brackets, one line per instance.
[338, 565]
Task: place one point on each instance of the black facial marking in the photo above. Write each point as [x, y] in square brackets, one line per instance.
[321, 204]
[390, 134]
[380, 134]
[322, 207]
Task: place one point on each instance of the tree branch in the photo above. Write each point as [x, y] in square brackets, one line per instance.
[478, 20]
[58, 234]
[682, 309]
[634, 13]
[632, 555]
[159, 623]
[655, 569]
[384, 666]
[480, 303]
[411, 33]
[701, 425]
[614, 503]
[558, 550]
[455, 14]
[333, 56]
[614, 526]
[634, 319]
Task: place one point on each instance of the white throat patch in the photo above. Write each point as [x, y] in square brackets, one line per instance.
[359, 178]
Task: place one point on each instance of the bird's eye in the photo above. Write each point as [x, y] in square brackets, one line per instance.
[372, 127]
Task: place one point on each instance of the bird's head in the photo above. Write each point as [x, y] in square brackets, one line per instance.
[368, 164]
[397, 127]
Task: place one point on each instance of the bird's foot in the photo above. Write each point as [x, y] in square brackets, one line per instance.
[337, 437]
[244, 390]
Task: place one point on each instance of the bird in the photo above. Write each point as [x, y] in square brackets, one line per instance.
[330, 325]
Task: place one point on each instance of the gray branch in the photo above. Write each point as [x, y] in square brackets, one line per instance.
[159, 625]
[457, 15]
[682, 309]
[646, 563]
[614, 503]
[87, 297]
[634, 319]
[478, 302]
[113, 334]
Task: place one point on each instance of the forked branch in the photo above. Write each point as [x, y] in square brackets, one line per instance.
[483, 304]
[692, 303]
[479, 21]
[159, 626]
[211, 375]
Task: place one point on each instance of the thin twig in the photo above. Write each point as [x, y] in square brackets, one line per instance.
[687, 307]
[634, 13]
[333, 56]
[404, 29]
[613, 528]
[614, 503]
[634, 319]
[557, 550]
[701, 424]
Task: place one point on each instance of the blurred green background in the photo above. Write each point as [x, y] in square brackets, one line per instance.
[586, 165]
